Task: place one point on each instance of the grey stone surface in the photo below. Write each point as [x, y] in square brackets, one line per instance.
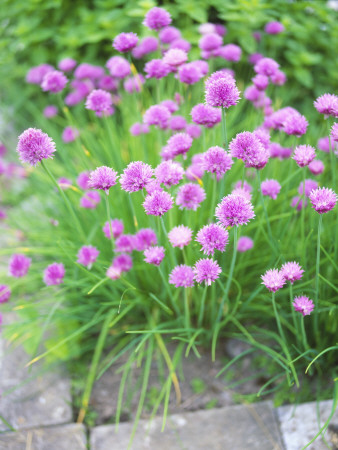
[232, 428]
[300, 424]
[65, 437]
[31, 398]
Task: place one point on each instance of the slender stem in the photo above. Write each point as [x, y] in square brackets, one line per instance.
[302, 212]
[332, 156]
[201, 314]
[227, 286]
[224, 130]
[279, 325]
[306, 345]
[243, 176]
[67, 202]
[109, 220]
[133, 211]
[317, 274]
[214, 189]
[165, 282]
[186, 309]
[272, 241]
[294, 319]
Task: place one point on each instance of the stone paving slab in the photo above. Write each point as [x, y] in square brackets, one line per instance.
[66, 437]
[299, 425]
[239, 427]
[36, 400]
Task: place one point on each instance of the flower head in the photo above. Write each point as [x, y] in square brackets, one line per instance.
[53, 274]
[304, 154]
[273, 280]
[156, 68]
[248, 147]
[157, 18]
[303, 305]
[136, 176]
[158, 203]
[124, 42]
[180, 236]
[193, 130]
[327, 104]
[87, 255]
[35, 74]
[334, 132]
[292, 271]
[309, 186]
[316, 167]
[222, 92]
[54, 81]
[125, 243]
[234, 210]
[157, 115]
[230, 52]
[212, 237]
[5, 293]
[69, 134]
[190, 196]
[19, 265]
[50, 111]
[147, 45]
[271, 188]
[217, 160]
[169, 173]
[210, 41]
[206, 270]
[274, 28]
[174, 57]
[90, 200]
[266, 66]
[83, 180]
[67, 64]
[99, 101]
[189, 73]
[177, 123]
[244, 244]
[206, 115]
[34, 146]
[261, 82]
[116, 226]
[323, 199]
[182, 276]
[102, 178]
[122, 263]
[145, 238]
[154, 255]
[169, 34]
[118, 67]
[299, 203]
[179, 144]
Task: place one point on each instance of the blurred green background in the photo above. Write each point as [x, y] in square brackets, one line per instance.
[37, 31]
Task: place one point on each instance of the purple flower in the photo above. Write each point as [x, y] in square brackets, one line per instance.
[243, 192]
[144, 238]
[35, 74]
[117, 228]
[18, 265]
[108, 83]
[180, 236]
[122, 263]
[136, 176]
[316, 167]
[261, 82]
[190, 196]
[50, 111]
[212, 237]
[230, 52]
[102, 178]
[206, 115]
[153, 185]
[323, 199]
[202, 66]
[303, 305]
[222, 92]
[248, 147]
[53, 274]
[234, 210]
[273, 280]
[207, 28]
[278, 78]
[266, 66]
[99, 101]
[157, 18]
[5, 293]
[64, 183]
[295, 124]
[169, 173]
[54, 81]
[90, 200]
[125, 243]
[118, 67]
[324, 144]
[292, 271]
[87, 255]
[182, 276]
[206, 270]
[86, 70]
[245, 186]
[148, 45]
[170, 105]
[193, 130]
[83, 180]
[334, 132]
[156, 68]
[138, 128]
[210, 42]
[304, 154]
[169, 34]
[309, 186]
[217, 160]
[67, 64]
[179, 144]
[157, 115]
[114, 272]
[133, 84]
[69, 134]
[189, 73]
[274, 28]
[154, 255]
[174, 57]
[327, 104]
[34, 146]
[124, 42]
[244, 244]
[299, 203]
[271, 188]
[177, 123]
[252, 93]
[158, 203]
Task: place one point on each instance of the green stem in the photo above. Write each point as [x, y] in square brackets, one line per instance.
[201, 313]
[317, 274]
[332, 156]
[294, 319]
[186, 309]
[213, 201]
[302, 212]
[133, 211]
[67, 202]
[271, 239]
[165, 282]
[224, 131]
[109, 220]
[227, 286]
[279, 325]
[306, 346]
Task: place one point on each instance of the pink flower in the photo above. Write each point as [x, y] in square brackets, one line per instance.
[217, 160]
[157, 18]
[50, 111]
[136, 176]
[124, 42]
[234, 210]
[54, 81]
[34, 146]
[190, 196]
[125, 243]
[274, 28]
[244, 244]
[145, 238]
[327, 104]
[212, 237]
[180, 236]
[169, 34]
[179, 144]
[206, 115]
[53, 274]
[174, 57]
[67, 64]
[5, 293]
[304, 154]
[83, 180]
[206, 270]
[90, 200]
[121, 263]
[292, 271]
[19, 265]
[99, 101]
[182, 276]
[270, 188]
[116, 226]
[158, 203]
[102, 178]
[222, 92]
[169, 173]
[118, 67]
[154, 255]
[309, 186]
[303, 305]
[316, 167]
[230, 52]
[69, 134]
[87, 255]
[295, 124]
[157, 115]
[266, 66]
[323, 199]
[273, 280]
[156, 68]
